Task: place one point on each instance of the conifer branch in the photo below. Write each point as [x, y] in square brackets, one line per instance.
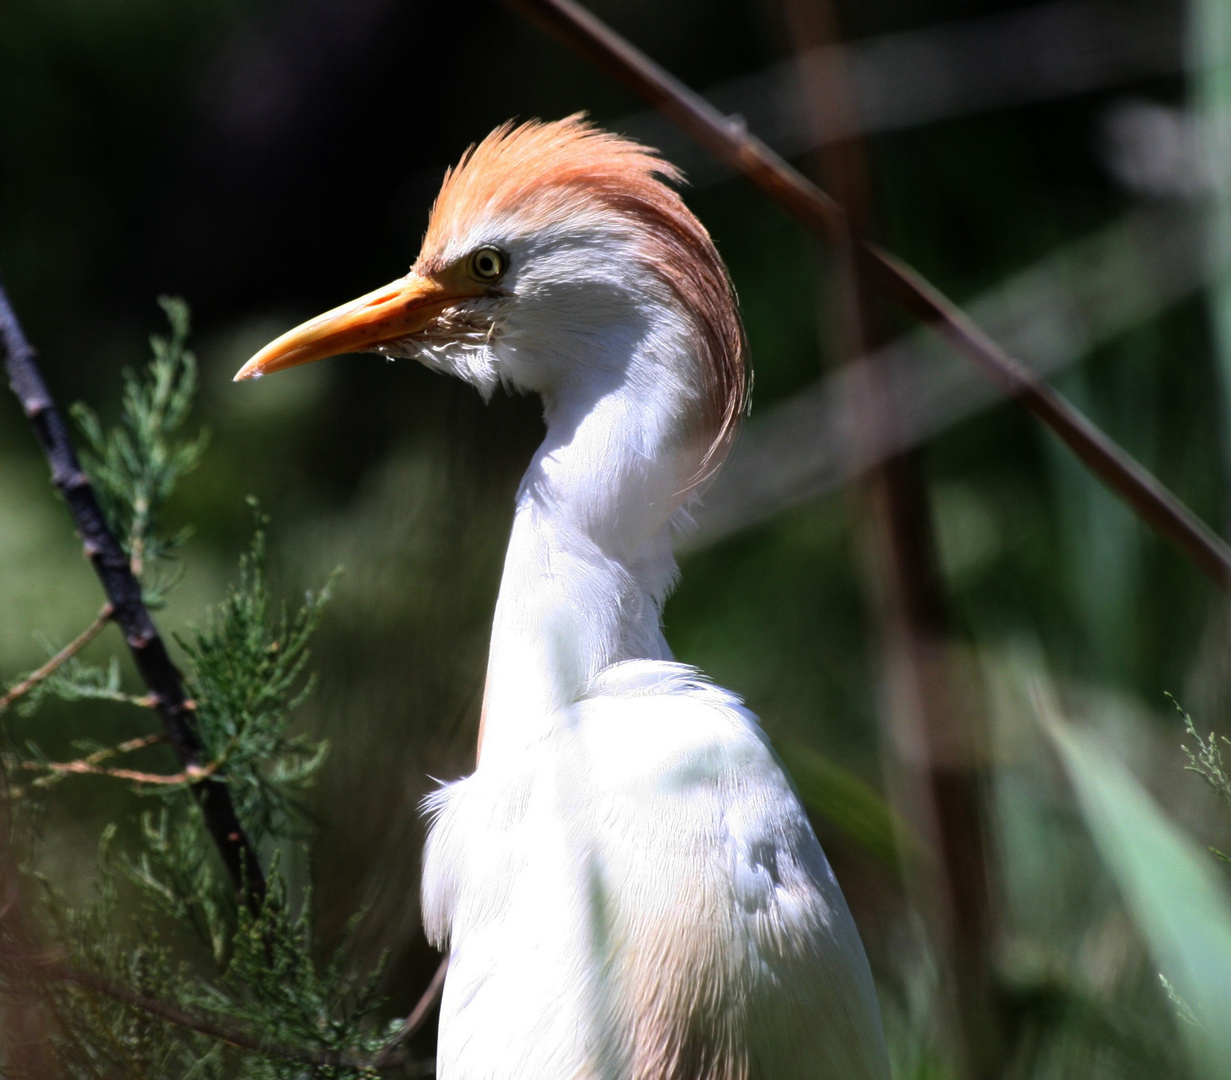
[51, 967]
[85, 768]
[129, 611]
[65, 654]
[91, 765]
[96, 758]
[728, 139]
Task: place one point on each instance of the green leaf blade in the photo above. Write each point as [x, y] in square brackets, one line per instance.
[1177, 900]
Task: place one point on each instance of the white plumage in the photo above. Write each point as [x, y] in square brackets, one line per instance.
[641, 895]
[627, 886]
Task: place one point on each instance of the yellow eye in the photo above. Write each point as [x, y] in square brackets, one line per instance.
[488, 264]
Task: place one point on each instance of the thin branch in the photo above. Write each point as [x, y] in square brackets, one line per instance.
[123, 591]
[1148, 497]
[728, 139]
[414, 1021]
[90, 766]
[126, 747]
[84, 768]
[67, 653]
[49, 967]
[1062, 307]
[140, 701]
[91, 762]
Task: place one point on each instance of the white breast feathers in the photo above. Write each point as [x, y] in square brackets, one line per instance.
[659, 904]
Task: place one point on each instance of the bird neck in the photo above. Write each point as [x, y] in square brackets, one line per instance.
[589, 561]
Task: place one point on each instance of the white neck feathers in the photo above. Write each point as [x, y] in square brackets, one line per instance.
[589, 562]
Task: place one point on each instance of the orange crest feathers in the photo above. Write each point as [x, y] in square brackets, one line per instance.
[546, 170]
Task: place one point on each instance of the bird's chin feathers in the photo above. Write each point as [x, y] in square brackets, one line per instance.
[460, 342]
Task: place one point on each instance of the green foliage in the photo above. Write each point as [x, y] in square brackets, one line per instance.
[99, 1035]
[1206, 760]
[247, 663]
[76, 681]
[274, 984]
[175, 873]
[164, 971]
[137, 464]
[261, 986]
[1179, 905]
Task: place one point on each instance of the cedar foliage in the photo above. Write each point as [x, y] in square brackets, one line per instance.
[164, 970]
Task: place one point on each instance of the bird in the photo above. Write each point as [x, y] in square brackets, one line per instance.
[627, 887]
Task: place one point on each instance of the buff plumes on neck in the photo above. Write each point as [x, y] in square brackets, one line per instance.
[554, 169]
[547, 172]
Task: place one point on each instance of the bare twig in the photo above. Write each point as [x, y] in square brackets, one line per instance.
[67, 653]
[429, 999]
[1060, 308]
[52, 968]
[126, 747]
[86, 769]
[91, 766]
[1149, 499]
[123, 592]
[727, 139]
[91, 762]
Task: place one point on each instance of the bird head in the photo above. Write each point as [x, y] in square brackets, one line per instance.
[557, 260]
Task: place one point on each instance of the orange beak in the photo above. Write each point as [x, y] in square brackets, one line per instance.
[395, 311]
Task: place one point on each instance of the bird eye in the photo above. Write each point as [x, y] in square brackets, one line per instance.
[488, 264]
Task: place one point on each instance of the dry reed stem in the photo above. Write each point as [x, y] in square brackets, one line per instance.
[729, 140]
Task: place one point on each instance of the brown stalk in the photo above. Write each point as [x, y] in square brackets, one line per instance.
[728, 140]
[923, 711]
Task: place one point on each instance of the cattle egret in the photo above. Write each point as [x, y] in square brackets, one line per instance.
[627, 886]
